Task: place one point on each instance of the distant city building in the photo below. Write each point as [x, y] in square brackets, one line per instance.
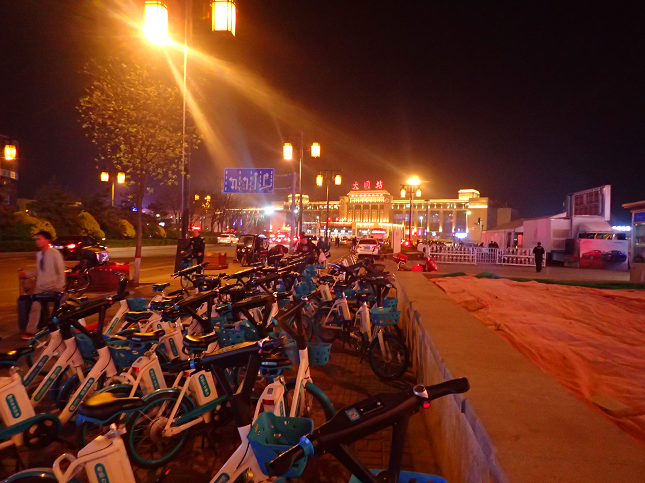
[361, 211]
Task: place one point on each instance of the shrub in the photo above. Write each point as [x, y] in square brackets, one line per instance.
[35, 224]
[127, 230]
[89, 225]
[157, 231]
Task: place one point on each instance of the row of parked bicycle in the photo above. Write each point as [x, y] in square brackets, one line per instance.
[139, 383]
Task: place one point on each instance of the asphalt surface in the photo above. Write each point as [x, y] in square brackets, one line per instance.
[155, 268]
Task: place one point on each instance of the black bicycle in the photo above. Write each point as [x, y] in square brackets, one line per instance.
[366, 417]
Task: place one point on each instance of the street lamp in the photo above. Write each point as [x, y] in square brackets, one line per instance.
[156, 30]
[105, 178]
[287, 151]
[287, 154]
[10, 152]
[414, 189]
[328, 175]
[223, 16]
[155, 22]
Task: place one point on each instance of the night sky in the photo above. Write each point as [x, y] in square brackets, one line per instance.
[524, 101]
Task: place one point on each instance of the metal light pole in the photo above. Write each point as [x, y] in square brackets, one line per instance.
[413, 187]
[156, 30]
[327, 175]
[287, 154]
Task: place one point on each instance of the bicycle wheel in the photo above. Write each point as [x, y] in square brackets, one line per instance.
[144, 440]
[313, 407]
[334, 319]
[35, 475]
[392, 364]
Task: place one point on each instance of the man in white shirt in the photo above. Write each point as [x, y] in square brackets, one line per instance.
[49, 274]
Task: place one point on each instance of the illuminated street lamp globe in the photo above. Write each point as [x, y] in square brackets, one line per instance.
[287, 151]
[155, 22]
[223, 16]
[319, 180]
[315, 150]
[337, 180]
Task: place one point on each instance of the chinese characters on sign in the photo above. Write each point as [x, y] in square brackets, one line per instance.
[378, 185]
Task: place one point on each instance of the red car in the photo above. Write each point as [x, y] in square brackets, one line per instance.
[593, 255]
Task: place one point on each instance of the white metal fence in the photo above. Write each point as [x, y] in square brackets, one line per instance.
[481, 255]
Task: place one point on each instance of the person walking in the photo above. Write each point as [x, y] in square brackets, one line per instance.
[337, 242]
[50, 277]
[538, 251]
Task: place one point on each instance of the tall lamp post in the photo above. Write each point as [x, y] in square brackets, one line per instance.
[156, 31]
[9, 154]
[287, 154]
[413, 188]
[120, 179]
[326, 175]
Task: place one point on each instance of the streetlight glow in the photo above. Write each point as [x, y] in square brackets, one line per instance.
[402, 193]
[418, 193]
[223, 16]
[414, 181]
[315, 150]
[196, 197]
[319, 180]
[337, 180]
[105, 176]
[9, 152]
[120, 178]
[155, 22]
[287, 151]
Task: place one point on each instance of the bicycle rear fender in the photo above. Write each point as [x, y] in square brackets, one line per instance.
[321, 394]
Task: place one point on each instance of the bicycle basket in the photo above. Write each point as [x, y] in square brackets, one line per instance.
[272, 435]
[318, 353]
[250, 332]
[409, 477]
[383, 316]
[219, 322]
[229, 337]
[390, 302]
[85, 345]
[125, 352]
[137, 304]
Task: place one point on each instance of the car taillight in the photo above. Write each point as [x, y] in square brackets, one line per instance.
[71, 246]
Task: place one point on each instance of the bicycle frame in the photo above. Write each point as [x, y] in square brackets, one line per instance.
[104, 365]
[202, 385]
[71, 358]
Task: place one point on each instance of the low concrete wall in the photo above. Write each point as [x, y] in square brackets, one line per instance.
[516, 424]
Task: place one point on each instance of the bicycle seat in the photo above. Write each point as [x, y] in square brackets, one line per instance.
[200, 342]
[253, 302]
[12, 356]
[136, 316]
[158, 287]
[146, 336]
[106, 406]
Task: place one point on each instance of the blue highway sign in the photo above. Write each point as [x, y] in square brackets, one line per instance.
[248, 180]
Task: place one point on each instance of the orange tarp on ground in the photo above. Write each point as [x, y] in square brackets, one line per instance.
[592, 341]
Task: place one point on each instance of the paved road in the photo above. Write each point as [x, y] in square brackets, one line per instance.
[156, 267]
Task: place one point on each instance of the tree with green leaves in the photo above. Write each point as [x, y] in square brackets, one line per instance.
[58, 207]
[89, 226]
[133, 114]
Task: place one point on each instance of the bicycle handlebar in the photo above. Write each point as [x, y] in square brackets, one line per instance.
[189, 270]
[365, 417]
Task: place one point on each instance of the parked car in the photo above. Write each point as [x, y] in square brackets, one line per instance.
[593, 255]
[614, 256]
[227, 239]
[71, 246]
[368, 247]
